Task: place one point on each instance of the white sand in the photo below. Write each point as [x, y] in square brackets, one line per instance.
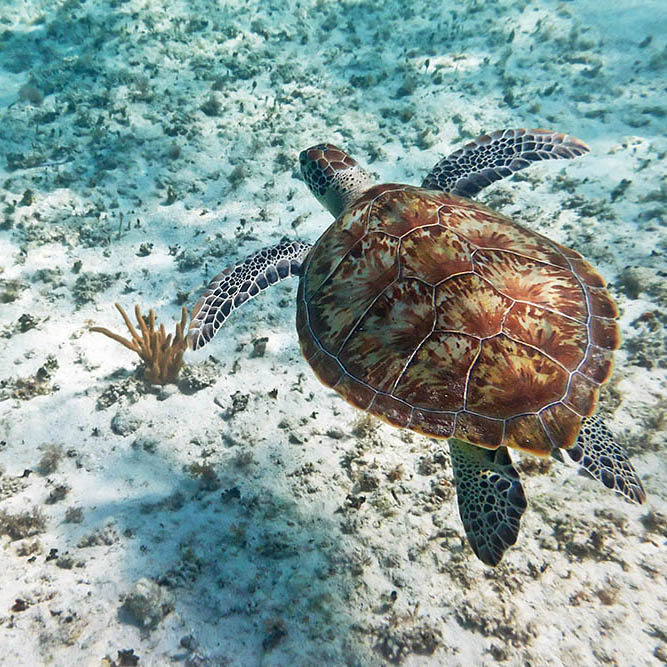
[265, 561]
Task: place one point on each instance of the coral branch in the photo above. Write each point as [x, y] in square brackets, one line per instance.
[161, 354]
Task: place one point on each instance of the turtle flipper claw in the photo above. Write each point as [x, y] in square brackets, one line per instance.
[491, 498]
[498, 155]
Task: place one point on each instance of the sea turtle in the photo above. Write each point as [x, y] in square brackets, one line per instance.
[437, 314]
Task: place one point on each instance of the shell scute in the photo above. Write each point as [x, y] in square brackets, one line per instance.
[438, 424]
[561, 338]
[436, 376]
[601, 303]
[468, 304]
[484, 228]
[604, 333]
[528, 434]
[433, 254]
[480, 430]
[327, 370]
[392, 410]
[368, 268]
[357, 393]
[525, 279]
[598, 364]
[397, 210]
[582, 395]
[586, 272]
[333, 246]
[509, 378]
[388, 333]
[561, 423]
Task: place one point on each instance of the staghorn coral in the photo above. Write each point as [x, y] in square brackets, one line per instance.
[162, 355]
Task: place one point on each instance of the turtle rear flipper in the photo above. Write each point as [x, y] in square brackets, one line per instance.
[597, 452]
[498, 155]
[491, 498]
[239, 283]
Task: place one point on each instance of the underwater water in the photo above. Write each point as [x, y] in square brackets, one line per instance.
[243, 513]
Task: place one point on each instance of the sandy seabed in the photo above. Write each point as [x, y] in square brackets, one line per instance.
[247, 516]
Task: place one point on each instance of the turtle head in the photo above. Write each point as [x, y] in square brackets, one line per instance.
[333, 177]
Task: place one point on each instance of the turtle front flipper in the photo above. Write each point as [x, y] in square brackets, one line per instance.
[497, 155]
[239, 283]
[597, 452]
[491, 498]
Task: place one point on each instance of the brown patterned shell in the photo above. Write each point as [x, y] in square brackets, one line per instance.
[439, 315]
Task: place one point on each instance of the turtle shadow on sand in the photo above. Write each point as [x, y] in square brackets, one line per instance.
[218, 563]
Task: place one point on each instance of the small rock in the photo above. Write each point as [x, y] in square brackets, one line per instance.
[73, 515]
[147, 603]
[295, 439]
[367, 482]
[239, 404]
[57, 494]
[127, 658]
[188, 259]
[124, 422]
[166, 391]
[259, 347]
[198, 376]
[146, 443]
[27, 322]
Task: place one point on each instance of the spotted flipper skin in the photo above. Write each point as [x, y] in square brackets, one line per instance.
[604, 459]
[498, 155]
[239, 283]
[491, 498]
